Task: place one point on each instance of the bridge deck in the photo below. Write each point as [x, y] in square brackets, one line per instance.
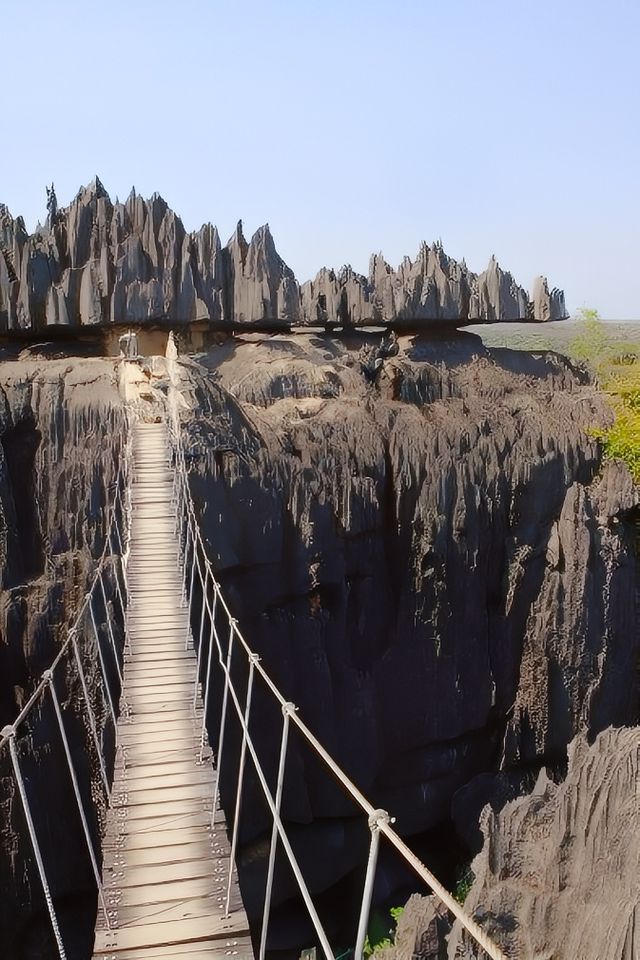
[165, 870]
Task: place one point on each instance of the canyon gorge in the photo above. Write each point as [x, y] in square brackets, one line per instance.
[418, 534]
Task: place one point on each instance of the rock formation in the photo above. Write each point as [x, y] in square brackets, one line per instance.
[420, 933]
[60, 436]
[418, 537]
[96, 262]
[430, 561]
[558, 874]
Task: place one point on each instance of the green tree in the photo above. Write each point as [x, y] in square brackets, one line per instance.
[589, 344]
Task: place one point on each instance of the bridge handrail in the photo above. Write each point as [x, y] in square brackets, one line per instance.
[102, 562]
[379, 821]
[9, 734]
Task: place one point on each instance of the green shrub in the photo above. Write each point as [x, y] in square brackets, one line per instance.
[380, 939]
[617, 368]
[464, 883]
[622, 440]
[590, 342]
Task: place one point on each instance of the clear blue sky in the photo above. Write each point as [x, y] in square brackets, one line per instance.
[500, 126]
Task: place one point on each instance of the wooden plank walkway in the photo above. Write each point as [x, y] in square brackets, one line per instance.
[165, 869]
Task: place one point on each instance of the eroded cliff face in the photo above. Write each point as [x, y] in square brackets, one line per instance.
[423, 549]
[558, 873]
[96, 262]
[61, 430]
[417, 537]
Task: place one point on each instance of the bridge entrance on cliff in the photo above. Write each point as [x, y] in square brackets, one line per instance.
[165, 874]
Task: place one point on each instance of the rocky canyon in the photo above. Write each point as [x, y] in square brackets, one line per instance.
[418, 534]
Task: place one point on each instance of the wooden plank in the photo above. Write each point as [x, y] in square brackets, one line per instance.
[159, 775]
[138, 755]
[173, 910]
[175, 694]
[124, 877]
[163, 892]
[202, 850]
[237, 948]
[157, 707]
[151, 733]
[178, 721]
[161, 684]
[144, 657]
[157, 839]
[132, 796]
[168, 810]
[160, 934]
[178, 818]
[165, 867]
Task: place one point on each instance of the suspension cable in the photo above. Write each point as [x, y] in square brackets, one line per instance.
[42, 684]
[9, 734]
[105, 676]
[78, 796]
[92, 720]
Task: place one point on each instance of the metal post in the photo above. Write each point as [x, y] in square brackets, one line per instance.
[175, 498]
[104, 670]
[179, 499]
[185, 556]
[201, 636]
[116, 577]
[207, 686]
[112, 639]
[253, 659]
[92, 719]
[223, 717]
[302, 886]
[119, 496]
[184, 512]
[124, 606]
[287, 710]
[193, 570]
[121, 555]
[114, 525]
[376, 818]
[76, 789]
[11, 734]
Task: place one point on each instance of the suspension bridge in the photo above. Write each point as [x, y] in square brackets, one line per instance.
[164, 868]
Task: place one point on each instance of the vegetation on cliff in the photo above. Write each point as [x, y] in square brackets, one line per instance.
[617, 368]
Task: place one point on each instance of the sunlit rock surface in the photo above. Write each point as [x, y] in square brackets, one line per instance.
[98, 262]
[421, 545]
[418, 538]
[61, 432]
[558, 873]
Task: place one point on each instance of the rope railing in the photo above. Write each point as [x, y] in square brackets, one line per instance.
[42, 685]
[197, 564]
[114, 550]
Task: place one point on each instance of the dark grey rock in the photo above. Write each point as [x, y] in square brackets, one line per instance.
[547, 305]
[61, 429]
[558, 873]
[429, 561]
[496, 296]
[96, 262]
[421, 932]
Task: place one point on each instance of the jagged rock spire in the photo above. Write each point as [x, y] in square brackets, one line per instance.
[122, 263]
[52, 205]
